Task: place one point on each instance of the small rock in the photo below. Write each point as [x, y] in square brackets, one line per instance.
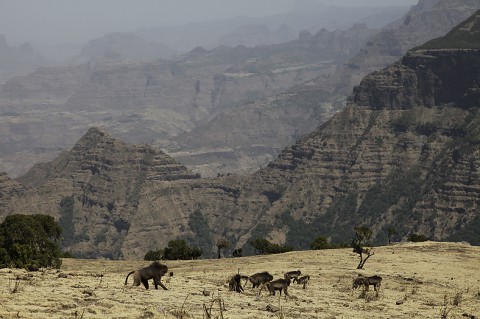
[89, 292]
[272, 308]
[62, 275]
[206, 293]
[400, 302]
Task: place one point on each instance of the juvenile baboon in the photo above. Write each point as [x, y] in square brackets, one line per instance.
[292, 275]
[260, 278]
[234, 284]
[156, 270]
[279, 284]
[374, 281]
[303, 280]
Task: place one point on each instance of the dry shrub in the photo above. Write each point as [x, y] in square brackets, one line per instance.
[210, 312]
[16, 285]
[445, 310]
[457, 298]
[181, 313]
[409, 291]
[344, 284]
[414, 290]
[369, 295]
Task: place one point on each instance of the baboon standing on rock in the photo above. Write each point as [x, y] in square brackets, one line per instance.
[156, 270]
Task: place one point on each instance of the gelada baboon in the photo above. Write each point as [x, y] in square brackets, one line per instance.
[279, 284]
[234, 283]
[156, 270]
[374, 281]
[292, 275]
[303, 280]
[260, 278]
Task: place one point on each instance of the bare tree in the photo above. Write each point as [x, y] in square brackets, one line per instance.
[362, 235]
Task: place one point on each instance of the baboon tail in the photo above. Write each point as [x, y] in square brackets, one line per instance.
[126, 279]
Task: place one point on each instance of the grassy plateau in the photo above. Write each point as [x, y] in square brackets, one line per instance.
[420, 280]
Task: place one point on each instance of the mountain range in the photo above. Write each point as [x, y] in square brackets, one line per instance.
[218, 110]
[403, 153]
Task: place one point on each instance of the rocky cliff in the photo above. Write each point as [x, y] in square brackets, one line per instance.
[247, 137]
[404, 153]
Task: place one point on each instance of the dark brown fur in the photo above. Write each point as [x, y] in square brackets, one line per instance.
[303, 280]
[156, 270]
[234, 284]
[279, 284]
[374, 281]
[292, 275]
[260, 278]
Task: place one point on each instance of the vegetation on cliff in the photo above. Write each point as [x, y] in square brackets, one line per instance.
[464, 36]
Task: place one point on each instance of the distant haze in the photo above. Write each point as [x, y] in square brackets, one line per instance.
[64, 21]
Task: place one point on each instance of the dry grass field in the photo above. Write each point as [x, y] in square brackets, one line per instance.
[420, 280]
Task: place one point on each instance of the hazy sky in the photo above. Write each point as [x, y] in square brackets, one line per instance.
[60, 21]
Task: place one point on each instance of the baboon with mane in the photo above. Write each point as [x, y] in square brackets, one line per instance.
[279, 284]
[156, 270]
[374, 281]
[260, 278]
[234, 284]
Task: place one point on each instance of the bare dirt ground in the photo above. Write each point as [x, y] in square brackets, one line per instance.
[420, 280]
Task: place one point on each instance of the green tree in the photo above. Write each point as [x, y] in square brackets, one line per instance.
[153, 255]
[222, 243]
[392, 231]
[261, 246]
[320, 242]
[416, 238]
[179, 250]
[30, 241]
[237, 252]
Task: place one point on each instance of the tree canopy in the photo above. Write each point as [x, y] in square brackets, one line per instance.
[30, 241]
[179, 249]
[262, 246]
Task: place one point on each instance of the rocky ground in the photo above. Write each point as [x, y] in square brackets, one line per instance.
[421, 280]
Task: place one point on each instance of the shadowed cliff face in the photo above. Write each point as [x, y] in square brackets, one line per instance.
[424, 78]
[442, 71]
[248, 137]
